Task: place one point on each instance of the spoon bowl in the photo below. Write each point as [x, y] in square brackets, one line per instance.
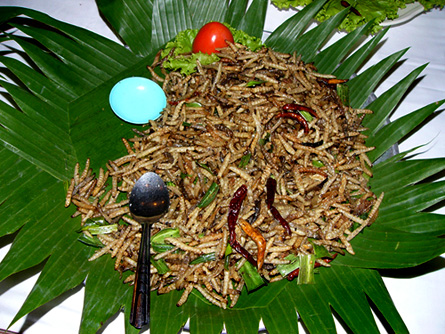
[149, 200]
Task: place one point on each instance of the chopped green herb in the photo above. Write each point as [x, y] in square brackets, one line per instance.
[227, 256]
[100, 229]
[204, 258]
[90, 241]
[184, 175]
[186, 124]
[306, 115]
[161, 248]
[209, 196]
[317, 163]
[165, 233]
[319, 251]
[207, 168]
[285, 269]
[245, 159]
[160, 265]
[170, 183]
[193, 105]
[251, 276]
[254, 83]
[265, 140]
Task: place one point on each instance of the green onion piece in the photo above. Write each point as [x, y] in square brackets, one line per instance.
[165, 233]
[251, 276]
[207, 168]
[306, 274]
[254, 83]
[161, 248]
[184, 175]
[306, 115]
[186, 124]
[245, 159]
[343, 94]
[160, 265]
[193, 105]
[317, 163]
[99, 229]
[285, 269]
[204, 258]
[170, 183]
[90, 241]
[209, 196]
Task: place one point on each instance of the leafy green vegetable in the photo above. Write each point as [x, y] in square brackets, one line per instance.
[179, 51]
[369, 9]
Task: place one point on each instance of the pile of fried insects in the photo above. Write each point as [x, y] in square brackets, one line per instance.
[264, 164]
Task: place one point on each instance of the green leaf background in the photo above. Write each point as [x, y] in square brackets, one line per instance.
[60, 115]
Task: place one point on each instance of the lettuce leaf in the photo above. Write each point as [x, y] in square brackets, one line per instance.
[182, 59]
[379, 10]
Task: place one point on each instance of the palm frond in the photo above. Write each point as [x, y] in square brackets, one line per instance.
[62, 116]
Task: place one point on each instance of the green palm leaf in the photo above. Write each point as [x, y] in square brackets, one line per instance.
[62, 116]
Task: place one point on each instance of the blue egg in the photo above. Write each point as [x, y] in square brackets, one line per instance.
[137, 100]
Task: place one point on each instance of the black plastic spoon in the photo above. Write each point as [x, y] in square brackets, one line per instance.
[149, 200]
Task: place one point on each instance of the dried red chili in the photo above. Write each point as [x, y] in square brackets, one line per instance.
[353, 9]
[234, 210]
[316, 144]
[257, 238]
[299, 107]
[271, 188]
[300, 119]
[276, 214]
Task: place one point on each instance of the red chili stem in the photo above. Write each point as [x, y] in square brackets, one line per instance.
[234, 210]
[299, 107]
[276, 214]
[300, 119]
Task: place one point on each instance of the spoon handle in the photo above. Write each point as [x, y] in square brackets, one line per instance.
[140, 306]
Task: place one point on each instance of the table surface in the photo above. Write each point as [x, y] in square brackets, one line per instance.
[417, 293]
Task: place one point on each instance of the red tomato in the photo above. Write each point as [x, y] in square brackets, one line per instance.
[211, 36]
